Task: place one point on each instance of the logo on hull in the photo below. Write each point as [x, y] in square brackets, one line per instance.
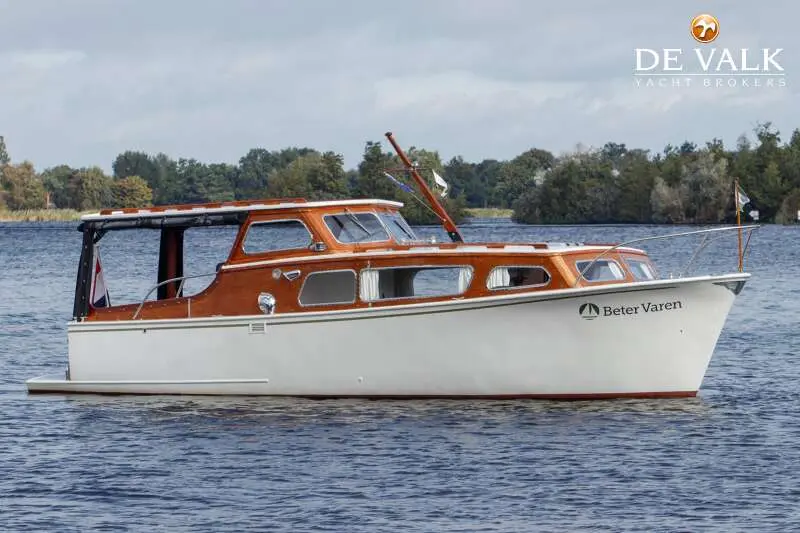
[589, 311]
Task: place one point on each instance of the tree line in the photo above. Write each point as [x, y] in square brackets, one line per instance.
[612, 184]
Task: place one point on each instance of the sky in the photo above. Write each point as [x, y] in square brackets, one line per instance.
[82, 81]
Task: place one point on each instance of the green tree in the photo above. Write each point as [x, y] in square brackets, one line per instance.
[56, 182]
[220, 184]
[328, 178]
[131, 163]
[521, 173]
[790, 162]
[474, 181]
[371, 181]
[4, 159]
[488, 174]
[706, 189]
[24, 189]
[256, 167]
[771, 191]
[132, 191]
[90, 188]
[580, 188]
[702, 195]
[193, 179]
[165, 184]
[667, 203]
[254, 170]
[789, 208]
[313, 176]
[635, 183]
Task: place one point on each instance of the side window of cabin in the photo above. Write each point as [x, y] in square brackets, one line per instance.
[275, 236]
[510, 277]
[413, 282]
[641, 270]
[601, 270]
[329, 288]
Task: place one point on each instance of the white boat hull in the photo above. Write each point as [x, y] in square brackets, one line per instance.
[649, 339]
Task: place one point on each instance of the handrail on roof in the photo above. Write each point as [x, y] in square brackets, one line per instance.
[703, 244]
[208, 205]
[171, 280]
[183, 210]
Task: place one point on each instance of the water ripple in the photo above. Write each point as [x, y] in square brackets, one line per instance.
[727, 460]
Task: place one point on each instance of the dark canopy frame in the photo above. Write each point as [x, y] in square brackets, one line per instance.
[170, 260]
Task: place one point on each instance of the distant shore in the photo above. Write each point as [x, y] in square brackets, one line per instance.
[71, 215]
[488, 212]
[40, 215]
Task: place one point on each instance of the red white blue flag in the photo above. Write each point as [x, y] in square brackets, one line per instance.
[100, 296]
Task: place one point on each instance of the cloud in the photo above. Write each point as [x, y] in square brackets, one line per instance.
[86, 80]
[459, 94]
[39, 60]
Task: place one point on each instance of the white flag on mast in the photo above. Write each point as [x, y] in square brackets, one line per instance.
[741, 199]
[441, 183]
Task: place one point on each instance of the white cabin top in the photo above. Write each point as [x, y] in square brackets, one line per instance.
[221, 208]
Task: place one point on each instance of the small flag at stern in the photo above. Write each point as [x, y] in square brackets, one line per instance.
[99, 297]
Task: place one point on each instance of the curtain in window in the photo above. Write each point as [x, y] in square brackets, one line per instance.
[370, 286]
[464, 279]
[499, 278]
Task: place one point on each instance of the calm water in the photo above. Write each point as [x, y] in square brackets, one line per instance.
[728, 460]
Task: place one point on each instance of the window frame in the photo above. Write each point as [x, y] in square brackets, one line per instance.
[388, 233]
[419, 267]
[545, 284]
[646, 262]
[276, 221]
[315, 272]
[389, 215]
[583, 277]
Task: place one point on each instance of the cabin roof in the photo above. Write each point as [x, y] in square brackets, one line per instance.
[223, 208]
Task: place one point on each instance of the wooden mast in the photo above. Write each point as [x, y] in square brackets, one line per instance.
[447, 222]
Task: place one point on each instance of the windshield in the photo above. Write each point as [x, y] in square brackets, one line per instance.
[641, 270]
[398, 227]
[356, 227]
[602, 270]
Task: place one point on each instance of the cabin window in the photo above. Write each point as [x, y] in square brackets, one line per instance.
[398, 227]
[510, 277]
[601, 270]
[350, 228]
[329, 288]
[414, 282]
[641, 270]
[276, 235]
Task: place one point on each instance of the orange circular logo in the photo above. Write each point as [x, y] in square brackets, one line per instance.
[705, 28]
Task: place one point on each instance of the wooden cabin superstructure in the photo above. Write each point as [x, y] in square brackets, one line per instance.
[284, 271]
